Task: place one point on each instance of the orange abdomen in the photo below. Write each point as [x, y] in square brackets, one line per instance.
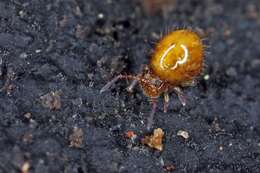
[178, 57]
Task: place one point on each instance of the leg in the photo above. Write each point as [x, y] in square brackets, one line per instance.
[166, 102]
[132, 85]
[180, 95]
[126, 77]
[135, 81]
[150, 118]
[110, 83]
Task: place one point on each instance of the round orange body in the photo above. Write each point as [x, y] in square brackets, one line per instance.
[178, 57]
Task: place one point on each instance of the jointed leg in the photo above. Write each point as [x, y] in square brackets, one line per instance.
[114, 80]
[132, 85]
[180, 95]
[135, 81]
[166, 102]
[127, 77]
[151, 116]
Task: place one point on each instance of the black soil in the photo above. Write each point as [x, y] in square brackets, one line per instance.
[56, 55]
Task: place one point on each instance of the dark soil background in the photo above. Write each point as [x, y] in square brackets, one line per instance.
[55, 55]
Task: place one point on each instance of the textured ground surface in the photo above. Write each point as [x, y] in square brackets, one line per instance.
[55, 55]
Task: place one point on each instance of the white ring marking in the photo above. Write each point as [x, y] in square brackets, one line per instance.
[180, 61]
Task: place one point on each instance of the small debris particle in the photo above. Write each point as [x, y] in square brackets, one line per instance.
[155, 35]
[169, 168]
[25, 167]
[76, 138]
[130, 134]
[51, 100]
[183, 134]
[78, 12]
[22, 13]
[221, 148]
[100, 15]
[161, 161]
[155, 140]
[38, 51]
[206, 77]
[28, 115]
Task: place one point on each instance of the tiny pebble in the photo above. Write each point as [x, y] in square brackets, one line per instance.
[206, 77]
[25, 168]
[183, 134]
[38, 51]
[100, 15]
[221, 148]
[28, 115]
